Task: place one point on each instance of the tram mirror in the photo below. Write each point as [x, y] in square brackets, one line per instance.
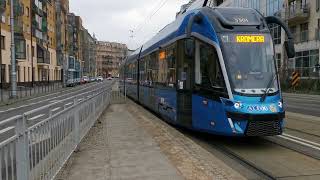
[290, 48]
[189, 47]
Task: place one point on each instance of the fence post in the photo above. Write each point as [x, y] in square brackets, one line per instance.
[22, 151]
[125, 93]
[76, 124]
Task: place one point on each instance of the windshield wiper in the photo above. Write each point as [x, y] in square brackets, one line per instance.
[266, 91]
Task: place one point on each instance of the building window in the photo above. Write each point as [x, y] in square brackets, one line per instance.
[32, 51]
[29, 72]
[3, 73]
[3, 42]
[28, 51]
[27, 11]
[276, 33]
[273, 7]
[278, 59]
[18, 73]
[25, 74]
[9, 73]
[304, 32]
[305, 61]
[20, 48]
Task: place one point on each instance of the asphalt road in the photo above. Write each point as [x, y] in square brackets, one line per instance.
[35, 103]
[302, 104]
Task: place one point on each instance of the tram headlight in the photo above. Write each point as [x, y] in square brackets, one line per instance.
[237, 105]
[280, 104]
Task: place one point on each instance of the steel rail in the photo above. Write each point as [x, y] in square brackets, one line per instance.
[257, 170]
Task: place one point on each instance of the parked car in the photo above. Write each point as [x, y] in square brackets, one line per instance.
[85, 79]
[92, 79]
[82, 81]
[109, 78]
[99, 78]
[70, 83]
[77, 81]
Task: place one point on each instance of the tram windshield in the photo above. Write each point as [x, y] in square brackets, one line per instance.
[250, 63]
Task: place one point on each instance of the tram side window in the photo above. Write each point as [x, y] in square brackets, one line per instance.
[135, 72]
[154, 65]
[171, 58]
[149, 71]
[167, 67]
[163, 70]
[208, 70]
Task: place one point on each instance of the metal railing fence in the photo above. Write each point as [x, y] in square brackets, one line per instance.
[27, 90]
[37, 150]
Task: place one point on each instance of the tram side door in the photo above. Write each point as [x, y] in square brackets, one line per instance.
[209, 87]
[185, 74]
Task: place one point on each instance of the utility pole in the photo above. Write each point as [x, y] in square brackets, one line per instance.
[13, 54]
[2, 9]
[32, 49]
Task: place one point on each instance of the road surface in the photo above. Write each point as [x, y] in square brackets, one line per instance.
[302, 104]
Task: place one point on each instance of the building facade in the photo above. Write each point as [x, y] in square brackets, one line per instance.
[62, 10]
[49, 42]
[109, 55]
[74, 26]
[88, 53]
[34, 39]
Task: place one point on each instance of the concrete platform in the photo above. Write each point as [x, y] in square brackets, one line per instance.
[125, 144]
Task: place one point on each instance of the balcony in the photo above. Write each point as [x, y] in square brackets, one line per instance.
[297, 13]
[301, 37]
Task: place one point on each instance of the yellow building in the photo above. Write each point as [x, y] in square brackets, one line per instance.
[36, 62]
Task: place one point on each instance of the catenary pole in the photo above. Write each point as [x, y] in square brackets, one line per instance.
[13, 54]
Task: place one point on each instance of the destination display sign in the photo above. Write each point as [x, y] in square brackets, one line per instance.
[250, 38]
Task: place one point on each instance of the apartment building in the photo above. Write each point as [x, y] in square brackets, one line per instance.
[303, 17]
[88, 53]
[34, 39]
[51, 43]
[75, 63]
[109, 55]
[62, 10]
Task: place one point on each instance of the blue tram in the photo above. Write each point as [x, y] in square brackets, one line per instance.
[212, 70]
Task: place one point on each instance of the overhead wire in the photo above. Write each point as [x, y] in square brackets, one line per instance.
[139, 27]
[149, 15]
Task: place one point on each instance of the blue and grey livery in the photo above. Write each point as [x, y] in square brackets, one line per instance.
[212, 70]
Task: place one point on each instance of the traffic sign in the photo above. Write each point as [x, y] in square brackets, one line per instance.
[295, 79]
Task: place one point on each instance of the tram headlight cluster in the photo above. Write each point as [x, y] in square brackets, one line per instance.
[280, 104]
[237, 105]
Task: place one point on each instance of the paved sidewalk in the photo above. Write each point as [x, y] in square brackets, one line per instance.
[131, 143]
[120, 149]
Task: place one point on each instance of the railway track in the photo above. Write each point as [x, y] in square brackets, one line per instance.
[247, 164]
[303, 132]
[261, 158]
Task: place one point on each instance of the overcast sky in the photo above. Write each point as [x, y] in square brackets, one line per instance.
[112, 20]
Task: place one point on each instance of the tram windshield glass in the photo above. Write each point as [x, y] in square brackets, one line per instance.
[250, 63]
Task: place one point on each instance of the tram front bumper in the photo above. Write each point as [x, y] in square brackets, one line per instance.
[256, 124]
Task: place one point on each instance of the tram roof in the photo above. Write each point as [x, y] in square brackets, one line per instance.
[221, 17]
